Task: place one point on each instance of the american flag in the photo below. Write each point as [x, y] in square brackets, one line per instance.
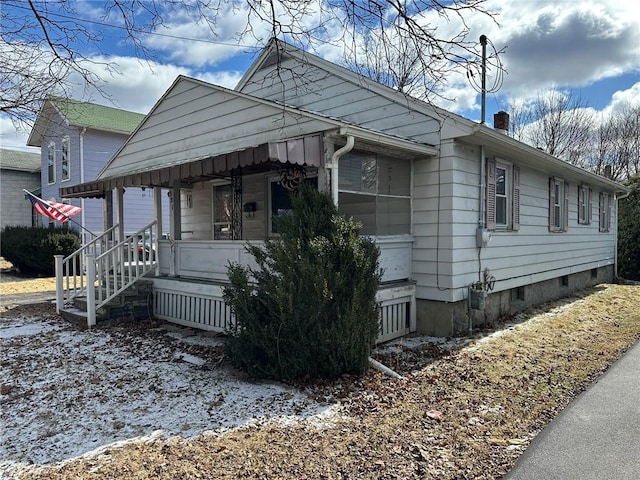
[56, 211]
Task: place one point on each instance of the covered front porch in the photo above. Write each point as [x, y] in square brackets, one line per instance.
[217, 205]
[225, 183]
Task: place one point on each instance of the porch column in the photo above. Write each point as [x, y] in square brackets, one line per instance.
[175, 224]
[120, 193]
[157, 203]
[107, 217]
[236, 211]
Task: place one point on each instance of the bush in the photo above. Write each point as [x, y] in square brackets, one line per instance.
[629, 233]
[309, 308]
[31, 249]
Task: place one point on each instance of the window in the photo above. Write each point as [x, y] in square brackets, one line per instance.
[51, 163]
[503, 196]
[584, 205]
[64, 161]
[605, 212]
[280, 199]
[558, 205]
[375, 190]
[222, 210]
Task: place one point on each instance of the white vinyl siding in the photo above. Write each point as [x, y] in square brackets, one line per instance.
[331, 95]
[445, 256]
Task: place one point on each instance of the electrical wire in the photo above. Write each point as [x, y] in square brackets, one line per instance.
[498, 80]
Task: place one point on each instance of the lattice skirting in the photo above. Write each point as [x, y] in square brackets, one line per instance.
[200, 305]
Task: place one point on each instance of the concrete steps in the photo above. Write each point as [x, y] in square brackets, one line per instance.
[133, 305]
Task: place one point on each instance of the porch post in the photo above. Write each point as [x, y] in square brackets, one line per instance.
[175, 224]
[108, 219]
[120, 191]
[236, 211]
[157, 203]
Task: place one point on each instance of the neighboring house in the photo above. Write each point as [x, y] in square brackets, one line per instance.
[471, 223]
[76, 140]
[19, 170]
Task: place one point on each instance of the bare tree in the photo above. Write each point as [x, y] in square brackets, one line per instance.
[617, 144]
[42, 41]
[558, 123]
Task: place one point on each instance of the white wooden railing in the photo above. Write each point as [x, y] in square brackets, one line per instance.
[71, 280]
[113, 270]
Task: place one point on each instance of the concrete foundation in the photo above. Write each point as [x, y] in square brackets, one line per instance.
[444, 319]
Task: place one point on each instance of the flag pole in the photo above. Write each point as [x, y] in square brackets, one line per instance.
[69, 219]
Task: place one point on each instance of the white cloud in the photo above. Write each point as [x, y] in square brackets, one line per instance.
[14, 137]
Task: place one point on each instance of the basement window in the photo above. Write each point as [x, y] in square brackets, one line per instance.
[517, 294]
[564, 281]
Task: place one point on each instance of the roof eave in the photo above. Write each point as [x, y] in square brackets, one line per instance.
[483, 135]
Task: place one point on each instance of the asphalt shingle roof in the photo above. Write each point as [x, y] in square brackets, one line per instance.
[17, 160]
[90, 115]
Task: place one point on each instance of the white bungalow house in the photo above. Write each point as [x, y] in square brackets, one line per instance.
[471, 223]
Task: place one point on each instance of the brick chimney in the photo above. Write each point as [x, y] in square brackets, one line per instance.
[501, 122]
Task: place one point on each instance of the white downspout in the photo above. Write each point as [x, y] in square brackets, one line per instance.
[334, 166]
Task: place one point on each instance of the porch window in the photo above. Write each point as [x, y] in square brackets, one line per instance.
[51, 163]
[222, 209]
[65, 159]
[375, 190]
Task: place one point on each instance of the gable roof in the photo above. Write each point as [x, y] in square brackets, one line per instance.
[277, 50]
[182, 128]
[454, 126]
[83, 114]
[18, 160]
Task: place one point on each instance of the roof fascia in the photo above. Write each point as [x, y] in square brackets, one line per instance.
[483, 135]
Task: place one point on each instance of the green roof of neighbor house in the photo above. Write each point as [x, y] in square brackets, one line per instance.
[18, 160]
[83, 114]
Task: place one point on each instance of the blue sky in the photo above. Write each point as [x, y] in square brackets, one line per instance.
[588, 47]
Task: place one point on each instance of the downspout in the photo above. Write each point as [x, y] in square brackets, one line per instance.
[82, 132]
[334, 166]
[615, 238]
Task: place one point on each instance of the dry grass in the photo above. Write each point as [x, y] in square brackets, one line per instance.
[13, 283]
[494, 395]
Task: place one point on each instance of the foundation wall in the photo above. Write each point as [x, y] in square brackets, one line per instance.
[445, 319]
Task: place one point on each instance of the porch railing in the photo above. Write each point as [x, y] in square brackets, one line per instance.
[114, 270]
[71, 280]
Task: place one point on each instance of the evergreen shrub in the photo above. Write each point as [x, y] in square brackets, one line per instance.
[629, 233]
[309, 307]
[31, 249]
